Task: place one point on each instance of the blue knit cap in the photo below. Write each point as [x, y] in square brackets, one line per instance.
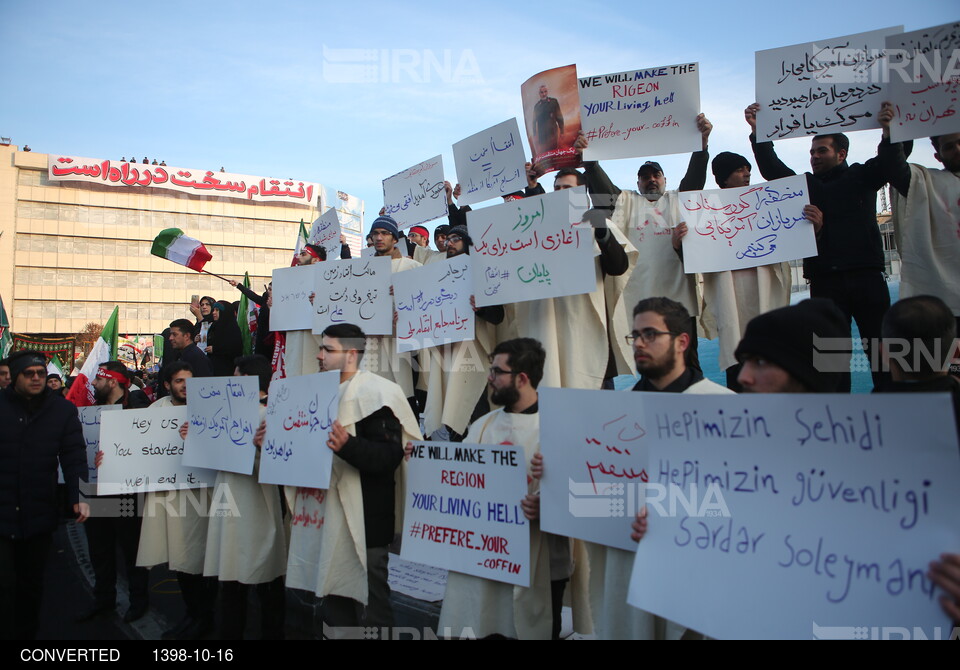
[388, 224]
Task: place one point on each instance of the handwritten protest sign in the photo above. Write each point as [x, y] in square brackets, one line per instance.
[735, 228]
[353, 291]
[368, 252]
[462, 510]
[551, 114]
[142, 451]
[433, 304]
[423, 582]
[224, 414]
[291, 298]
[490, 164]
[648, 112]
[90, 421]
[532, 248]
[299, 415]
[834, 505]
[325, 232]
[828, 86]
[924, 75]
[595, 454]
[416, 195]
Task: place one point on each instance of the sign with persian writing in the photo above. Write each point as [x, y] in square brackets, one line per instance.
[291, 297]
[835, 504]
[490, 164]
[353, 291]
[462, 510]
[224, 414]
[532, 248]
[325, 232]
[924, 75]
[433, 304]
[142, 451]
[745, 227]
[122, 174]
[594, 452]
[648, 112]
[817, 88]
[416, 195]
[300, 412]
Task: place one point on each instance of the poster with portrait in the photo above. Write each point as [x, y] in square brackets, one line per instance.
[551, 114]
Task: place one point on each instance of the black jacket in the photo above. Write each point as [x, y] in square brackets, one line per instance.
[34, 437]
[847, 196]
[376, 451]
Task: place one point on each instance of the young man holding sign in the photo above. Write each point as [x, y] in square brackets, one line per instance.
[495, 608]
[342, 557]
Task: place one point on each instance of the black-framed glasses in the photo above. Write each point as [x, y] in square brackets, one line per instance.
[494, 371]
[453, 239]
[647, 335]
[33, 374]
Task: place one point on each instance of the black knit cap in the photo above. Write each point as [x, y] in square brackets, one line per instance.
[464, 235]
[23, 359]
[785, 336]
[725, 163]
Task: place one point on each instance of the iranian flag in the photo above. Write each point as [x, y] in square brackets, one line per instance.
[105, 349]
[173, 245]
[302, 238]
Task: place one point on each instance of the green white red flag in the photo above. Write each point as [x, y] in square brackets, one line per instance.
[173, 245]
[105, 349]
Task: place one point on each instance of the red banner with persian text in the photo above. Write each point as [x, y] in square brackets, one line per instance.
[196, 182]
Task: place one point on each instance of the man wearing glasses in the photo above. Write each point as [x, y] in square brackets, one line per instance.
[40, 429]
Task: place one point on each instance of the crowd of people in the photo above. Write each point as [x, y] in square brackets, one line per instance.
[644, 315]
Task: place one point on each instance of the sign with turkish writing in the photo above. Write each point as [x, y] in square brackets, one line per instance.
[291, 298]
[325, 232]
[816, 88]
[594, 447]
[90, 422]
[353, 291]
[532, 248]
[924, 75]
[647, 112]
[224, 414]
[300, 412]
[835, 504]
[745, 227]
[416, 195]
[490, 164]
[433, 304]
[108, 172]
[142, 451]
[462, 510]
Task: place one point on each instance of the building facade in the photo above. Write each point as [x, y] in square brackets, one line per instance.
[72, 250]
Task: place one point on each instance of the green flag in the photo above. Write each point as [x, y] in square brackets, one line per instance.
[6, 339]
[247, 318]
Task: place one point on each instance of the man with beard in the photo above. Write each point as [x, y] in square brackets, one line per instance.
[40, 428]
[547, 122]
[104, 533]
[659, 339]
[4, 373]
[343, 558]
[179, 538]
[494, 608]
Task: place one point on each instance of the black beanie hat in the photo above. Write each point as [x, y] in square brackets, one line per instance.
[786, 335]
[725, 163]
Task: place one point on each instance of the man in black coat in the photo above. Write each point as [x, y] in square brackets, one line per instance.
[40, 429]
[181, 339]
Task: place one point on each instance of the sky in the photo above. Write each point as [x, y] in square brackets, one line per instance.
[254, 87]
